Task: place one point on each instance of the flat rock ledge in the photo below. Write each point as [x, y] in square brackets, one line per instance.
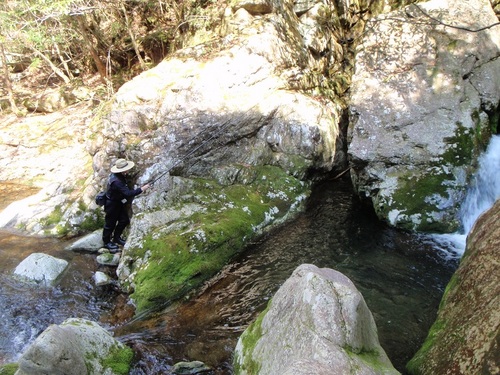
[317, 323]
[92, 242]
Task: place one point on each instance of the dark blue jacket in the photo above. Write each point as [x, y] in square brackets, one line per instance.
[118, 189]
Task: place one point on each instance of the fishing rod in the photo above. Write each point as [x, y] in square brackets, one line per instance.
[190, 153]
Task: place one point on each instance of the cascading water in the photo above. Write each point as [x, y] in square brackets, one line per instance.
[485, 188]
[482, 194]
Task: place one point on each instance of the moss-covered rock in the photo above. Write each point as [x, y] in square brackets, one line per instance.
[316, 323]
[427, 198]
[179, 255]
[418, 121]
[118, 360]
[77, 346]
[243, 362]
[465, 336]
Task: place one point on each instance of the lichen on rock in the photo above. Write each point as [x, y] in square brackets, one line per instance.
[316, 323]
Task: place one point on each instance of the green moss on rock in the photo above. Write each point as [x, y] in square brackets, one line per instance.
[418, 200]
[248, 340]
[119, 360]
[9, 369]
[371, 358]
[467, 143]
[92, 220]
[180, 259]
[428, 199]
[415, 364]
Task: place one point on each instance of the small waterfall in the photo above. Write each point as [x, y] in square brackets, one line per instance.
[481, 195]
[485, 187]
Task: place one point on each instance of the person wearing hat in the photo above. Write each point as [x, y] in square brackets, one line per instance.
[118, 195]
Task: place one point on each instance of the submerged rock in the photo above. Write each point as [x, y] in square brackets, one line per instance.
[108, 259]
[77, 347]
[317, 323]
[191, 368]
[41, 268]
[465, 337]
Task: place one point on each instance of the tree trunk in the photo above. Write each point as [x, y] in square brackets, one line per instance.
[7, 82]
[54, 68]
[63, 61]
[132, 38]
[101, 67]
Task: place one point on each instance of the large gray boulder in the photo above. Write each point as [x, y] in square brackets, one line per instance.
[91, 242]
[316, 323]
[77, 347]
[424, 98]
[47, 153]
[232, 131]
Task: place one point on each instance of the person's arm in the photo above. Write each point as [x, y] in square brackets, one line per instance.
[126, 192]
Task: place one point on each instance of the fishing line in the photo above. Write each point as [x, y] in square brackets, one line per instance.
[207, 141]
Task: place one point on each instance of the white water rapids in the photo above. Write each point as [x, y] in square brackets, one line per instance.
[483, 191]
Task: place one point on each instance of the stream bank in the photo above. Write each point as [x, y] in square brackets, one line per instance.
[401, 276]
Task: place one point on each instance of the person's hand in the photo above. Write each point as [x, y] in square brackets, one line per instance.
[145, 187]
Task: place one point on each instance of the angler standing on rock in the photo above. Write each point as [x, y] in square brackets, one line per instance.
[118, 196]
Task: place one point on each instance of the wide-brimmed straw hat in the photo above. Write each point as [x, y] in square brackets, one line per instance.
[122, 165]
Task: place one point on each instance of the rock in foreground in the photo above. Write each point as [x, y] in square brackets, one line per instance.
[317, 323]
[75, 347]
[466, 335]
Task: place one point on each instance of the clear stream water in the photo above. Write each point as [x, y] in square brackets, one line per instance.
[402, 277]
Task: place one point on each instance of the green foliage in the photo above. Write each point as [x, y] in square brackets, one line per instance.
[92, 221]
[54, 224]
[54, 217]
[80, 33]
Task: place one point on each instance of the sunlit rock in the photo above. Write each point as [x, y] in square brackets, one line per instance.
[423, 108]
[108, 259]
[317, 323]
[91, 242]
[100, 279]
[41, 268]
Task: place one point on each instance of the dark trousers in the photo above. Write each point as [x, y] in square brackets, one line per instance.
[115, 220]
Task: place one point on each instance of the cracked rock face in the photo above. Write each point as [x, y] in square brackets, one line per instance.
[422, 101]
